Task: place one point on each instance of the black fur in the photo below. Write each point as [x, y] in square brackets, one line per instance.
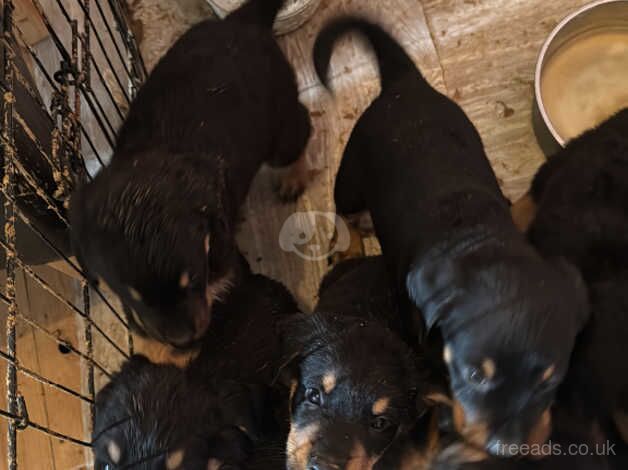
[582, 199]
[221, 408]
[222, 101]
[417, 163]
[151, 412]
[368, 362]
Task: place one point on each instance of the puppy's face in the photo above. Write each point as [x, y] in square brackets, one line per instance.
[509, 328]
[354, 390]
[502, 397]
[170, 299]
[179, 312]
[152, 233]
[152, 417]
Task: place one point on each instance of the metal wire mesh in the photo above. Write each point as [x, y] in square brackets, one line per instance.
[76, 84]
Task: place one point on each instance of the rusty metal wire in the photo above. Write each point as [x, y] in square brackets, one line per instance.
[91, 37]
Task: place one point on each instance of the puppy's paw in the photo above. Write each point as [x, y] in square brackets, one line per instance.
[523, 212]
[355, 250]
[291, 182]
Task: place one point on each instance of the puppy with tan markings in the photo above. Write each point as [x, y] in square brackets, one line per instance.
[158, 224]
[508, 317]
[356, 386]
[213, 415]
[582, 214]
[151, 417]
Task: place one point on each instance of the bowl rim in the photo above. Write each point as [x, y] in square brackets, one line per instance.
[543, 56]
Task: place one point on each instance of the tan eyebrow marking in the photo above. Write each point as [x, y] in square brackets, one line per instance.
[213, 464]
[488, 368]
[380, 406]
[135, 295]
[447, 354]
[114, 452]
[329, 382]
[175, 459]
[547, 374]
[184, 280]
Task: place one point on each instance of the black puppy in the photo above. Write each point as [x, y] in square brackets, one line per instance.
[217, 413]
[597, 381]
[158, 223]
[356, 386]
[582, 214]
[581, 196]
[152, 417]
[508, 317]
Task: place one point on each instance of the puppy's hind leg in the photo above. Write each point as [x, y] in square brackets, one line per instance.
[295, 174]
[348, 193]
[349, 200]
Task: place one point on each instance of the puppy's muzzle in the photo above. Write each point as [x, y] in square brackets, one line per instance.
[507, 440]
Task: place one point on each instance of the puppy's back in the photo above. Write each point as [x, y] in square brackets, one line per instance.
[360, 287]
[244, 342]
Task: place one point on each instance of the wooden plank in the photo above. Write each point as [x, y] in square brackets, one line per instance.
[488, 51]
[29, 22]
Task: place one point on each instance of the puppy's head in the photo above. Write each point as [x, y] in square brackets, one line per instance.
[509, 325]
[152, 417]
[158, 243]
[353, 391]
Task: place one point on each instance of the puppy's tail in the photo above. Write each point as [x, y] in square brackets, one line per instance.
[262, 12]
[393, 59]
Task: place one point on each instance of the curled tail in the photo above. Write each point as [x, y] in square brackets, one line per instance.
[393, 59]
[262, 12]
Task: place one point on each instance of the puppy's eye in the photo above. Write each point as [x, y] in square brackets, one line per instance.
[313, 396]
[381, 424]
[476, 377]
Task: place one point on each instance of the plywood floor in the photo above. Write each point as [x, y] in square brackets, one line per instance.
[481, 53]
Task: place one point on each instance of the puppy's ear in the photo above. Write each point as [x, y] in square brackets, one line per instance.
[576, 290]
[434, 286]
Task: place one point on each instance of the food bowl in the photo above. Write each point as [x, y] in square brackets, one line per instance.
[582, 73]
[293, 14]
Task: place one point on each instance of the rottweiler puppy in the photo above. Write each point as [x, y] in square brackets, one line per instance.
[217, 413]
[356, 387]
[597, 380]
[152, 417]
[581, 197]
[158, 223]
[582, 214]
[508, 317]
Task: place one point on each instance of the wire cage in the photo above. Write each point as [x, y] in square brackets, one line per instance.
[70, 69]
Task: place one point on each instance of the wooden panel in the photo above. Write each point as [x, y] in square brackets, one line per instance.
[27, 19]
[488, 51]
